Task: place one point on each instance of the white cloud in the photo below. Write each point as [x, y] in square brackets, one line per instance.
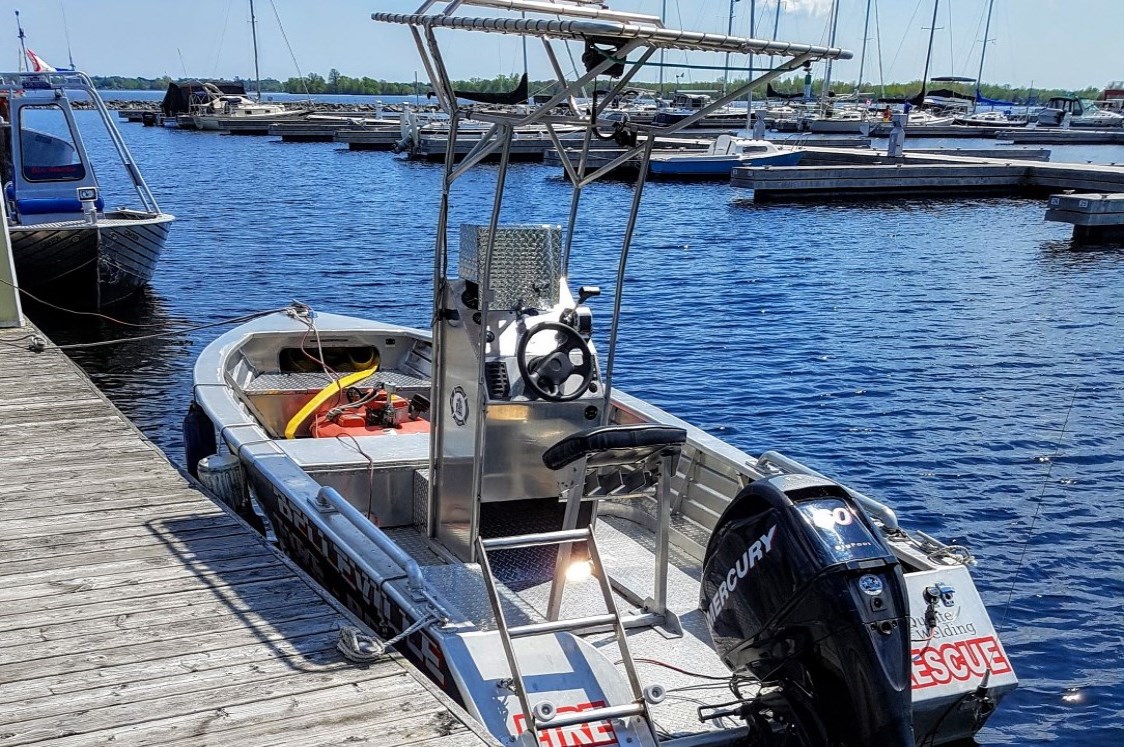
[807, 7]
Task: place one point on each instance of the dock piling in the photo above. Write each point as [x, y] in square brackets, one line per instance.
[11, 313]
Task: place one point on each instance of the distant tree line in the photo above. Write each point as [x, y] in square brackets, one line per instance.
[337, 83]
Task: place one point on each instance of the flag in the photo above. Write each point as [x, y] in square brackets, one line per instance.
[38, 65]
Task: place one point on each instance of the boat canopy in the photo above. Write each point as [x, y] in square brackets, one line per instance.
[982, 100]
[179, 96]
[603, 26]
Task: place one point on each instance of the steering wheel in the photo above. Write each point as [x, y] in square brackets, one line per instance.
[547, 375]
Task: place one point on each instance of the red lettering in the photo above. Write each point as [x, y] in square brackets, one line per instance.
[595, 734]
[960, 661]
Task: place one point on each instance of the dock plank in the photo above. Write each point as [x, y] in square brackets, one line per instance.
[135, 611]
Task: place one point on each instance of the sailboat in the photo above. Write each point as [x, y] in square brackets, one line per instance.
[211, 113]
[571, 563]
[991, 117]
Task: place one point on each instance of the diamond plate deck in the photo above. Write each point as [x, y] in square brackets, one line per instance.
[270, 383]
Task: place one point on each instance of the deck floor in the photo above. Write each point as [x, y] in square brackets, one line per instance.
[135, 611]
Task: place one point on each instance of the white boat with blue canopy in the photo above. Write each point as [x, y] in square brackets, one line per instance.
[66, 245]
[572, 564]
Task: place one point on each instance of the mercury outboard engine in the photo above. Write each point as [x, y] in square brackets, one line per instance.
[801, 594]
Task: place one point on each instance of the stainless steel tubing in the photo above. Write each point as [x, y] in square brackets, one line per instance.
[384, 543]
[534, 540]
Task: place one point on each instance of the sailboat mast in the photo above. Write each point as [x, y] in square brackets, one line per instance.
[663, 20]
[729, 32]
[983, 50]
[834, 20]
[862, 55]
[749, 94]
[929, 54]
[254, 34]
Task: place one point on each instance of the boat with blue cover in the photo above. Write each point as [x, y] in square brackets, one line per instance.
[576, 566]
[724, 155]
[66, 245]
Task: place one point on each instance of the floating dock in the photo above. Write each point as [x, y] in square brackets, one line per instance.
[322, 130]
[815, 154]
[134, 610]
[1095, 217]
[1058, 136]
[924, 175]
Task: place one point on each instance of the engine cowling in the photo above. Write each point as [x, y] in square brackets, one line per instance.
[800, 591]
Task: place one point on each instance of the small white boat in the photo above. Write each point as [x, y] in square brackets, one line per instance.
[67, 247]
[574, 565]
[725, 154]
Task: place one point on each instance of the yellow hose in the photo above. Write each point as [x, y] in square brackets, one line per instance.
[322, 396]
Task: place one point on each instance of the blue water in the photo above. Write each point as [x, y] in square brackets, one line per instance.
[959, 359]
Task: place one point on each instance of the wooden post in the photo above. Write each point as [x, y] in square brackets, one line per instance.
[11, 314]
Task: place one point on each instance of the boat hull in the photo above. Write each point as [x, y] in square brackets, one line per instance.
[711, 167]
[839, 126]
[90, 266]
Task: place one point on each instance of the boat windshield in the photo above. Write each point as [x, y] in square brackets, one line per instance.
[48, 149]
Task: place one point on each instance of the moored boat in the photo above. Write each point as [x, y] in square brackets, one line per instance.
[725, 154]
[66, 246]
[575, 565]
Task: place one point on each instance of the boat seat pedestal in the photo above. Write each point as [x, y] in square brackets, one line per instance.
[614, 446]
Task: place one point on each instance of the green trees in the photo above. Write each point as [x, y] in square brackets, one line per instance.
[337, 83]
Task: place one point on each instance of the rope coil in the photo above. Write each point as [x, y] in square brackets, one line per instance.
[357, 646]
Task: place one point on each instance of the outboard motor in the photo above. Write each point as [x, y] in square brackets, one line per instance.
[801, 594]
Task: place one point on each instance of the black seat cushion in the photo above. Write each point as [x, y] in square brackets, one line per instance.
[612, 445]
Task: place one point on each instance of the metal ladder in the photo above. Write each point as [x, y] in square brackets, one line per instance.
[542, 715]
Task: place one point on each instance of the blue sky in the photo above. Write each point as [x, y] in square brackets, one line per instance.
[1050, 43]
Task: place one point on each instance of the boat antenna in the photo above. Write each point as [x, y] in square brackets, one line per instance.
[983, 49]
[23, 47]
[66, 35]
[254, 34]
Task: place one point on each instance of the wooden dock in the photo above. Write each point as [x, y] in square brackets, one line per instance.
[135, 611]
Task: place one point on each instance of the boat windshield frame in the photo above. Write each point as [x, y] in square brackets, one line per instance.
[53, 86]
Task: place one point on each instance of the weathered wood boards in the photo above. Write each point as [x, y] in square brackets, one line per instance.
[134, 611]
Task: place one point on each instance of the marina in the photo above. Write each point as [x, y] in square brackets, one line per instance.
[530, 466]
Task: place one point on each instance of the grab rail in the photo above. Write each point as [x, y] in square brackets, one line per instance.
[881, 511]
[330, 498]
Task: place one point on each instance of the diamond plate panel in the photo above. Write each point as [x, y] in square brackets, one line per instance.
[267, 383]
[421, 499]
[526, 263]
[462, 587]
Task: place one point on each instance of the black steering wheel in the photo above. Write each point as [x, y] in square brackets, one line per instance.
[547, 375]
